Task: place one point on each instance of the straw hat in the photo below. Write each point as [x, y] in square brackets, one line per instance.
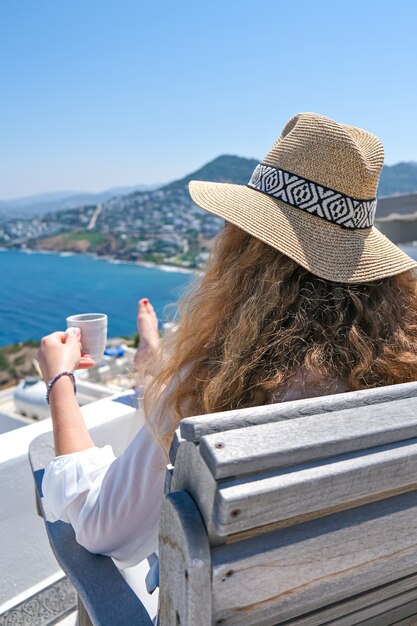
[313, 197]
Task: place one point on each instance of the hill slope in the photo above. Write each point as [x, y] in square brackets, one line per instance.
[399, 178]
[41, 204]
[160, 225]
[224, 169]
[395, 179]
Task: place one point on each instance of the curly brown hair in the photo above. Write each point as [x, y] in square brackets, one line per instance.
[256, 319]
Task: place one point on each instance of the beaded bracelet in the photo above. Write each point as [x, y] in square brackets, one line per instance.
[57, 377]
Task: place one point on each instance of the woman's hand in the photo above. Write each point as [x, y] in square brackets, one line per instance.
[60, 352]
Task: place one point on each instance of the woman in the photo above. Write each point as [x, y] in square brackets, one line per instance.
[301, 297]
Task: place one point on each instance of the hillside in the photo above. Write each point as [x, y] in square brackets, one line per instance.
[395, 179]
[159, 226]
[399, 178]
[17, 362]
[42, 204]
[223, 169]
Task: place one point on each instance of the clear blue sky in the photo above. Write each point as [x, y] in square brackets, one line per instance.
[99, 93]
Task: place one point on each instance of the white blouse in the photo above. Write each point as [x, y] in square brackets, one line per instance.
[112, 503]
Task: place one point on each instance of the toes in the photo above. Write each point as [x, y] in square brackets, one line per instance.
[145, 305]
[142, 305]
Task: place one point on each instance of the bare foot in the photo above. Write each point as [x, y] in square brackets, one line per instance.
[147, 324]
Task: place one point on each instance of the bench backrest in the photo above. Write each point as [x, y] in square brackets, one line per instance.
[312, 520]
[297, 514]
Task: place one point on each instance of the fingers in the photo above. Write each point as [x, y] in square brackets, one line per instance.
[85, 362]
[57, 337]
[73, 331]
[73, 336]
[62, 337]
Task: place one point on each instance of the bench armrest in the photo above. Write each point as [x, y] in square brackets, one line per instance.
[103, 591]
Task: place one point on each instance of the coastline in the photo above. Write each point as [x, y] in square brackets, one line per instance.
[164, 267]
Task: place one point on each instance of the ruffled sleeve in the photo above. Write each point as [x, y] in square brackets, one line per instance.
[112, 503]
[71, 475]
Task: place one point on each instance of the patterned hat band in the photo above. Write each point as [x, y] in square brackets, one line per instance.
[313, 198]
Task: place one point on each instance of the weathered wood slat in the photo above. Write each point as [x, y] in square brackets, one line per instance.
[408, 621]
[185, 579]
[234, 506]
[176, 441]
[284, 444]
[298, 569]
[168, 479]
[347, 481]
[191, 474]
[194, 428]
[351, 611]
[385, 614]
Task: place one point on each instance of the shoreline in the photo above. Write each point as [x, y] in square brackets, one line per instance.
[164, 267]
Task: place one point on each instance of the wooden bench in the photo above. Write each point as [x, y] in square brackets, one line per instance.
[299, 514]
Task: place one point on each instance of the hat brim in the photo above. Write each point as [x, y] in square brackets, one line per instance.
[327, 250]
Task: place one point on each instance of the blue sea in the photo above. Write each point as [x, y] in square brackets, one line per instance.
[39, 290]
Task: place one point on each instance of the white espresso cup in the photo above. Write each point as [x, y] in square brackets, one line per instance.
[93, 327]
